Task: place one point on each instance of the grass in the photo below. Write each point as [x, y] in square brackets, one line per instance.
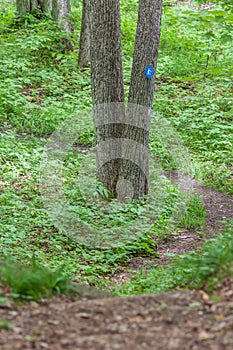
[195, 215]
[42, 86]
[33, 282]
[198, 269]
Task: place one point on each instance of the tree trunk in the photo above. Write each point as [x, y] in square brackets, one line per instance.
[59, 9]
[141, 93]
[28, 6]
[60, 13]
[23, 7]
[145, 52]
[107, 87]
[46, 6]
[122, 137]
[84, 44]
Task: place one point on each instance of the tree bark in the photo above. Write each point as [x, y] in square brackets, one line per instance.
[145, 52]
[141, 93]
[107, 87]
[28, 6]
[84, 44]
[23, 7]
[60, 13]
[122, 136]
[106, 52]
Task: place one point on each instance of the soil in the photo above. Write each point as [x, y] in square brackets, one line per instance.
[173, 320]
[219, 209]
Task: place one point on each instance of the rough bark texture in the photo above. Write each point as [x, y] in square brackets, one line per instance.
[84, 45]
[122, 137]
[145, 52]
[141, 88]
[107, 87]
[60, 13]
[106, 52]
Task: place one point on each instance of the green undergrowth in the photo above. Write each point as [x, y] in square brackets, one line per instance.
[195, 215]
[32, 282]
[41, 85]
[27, 231]
[203, 268]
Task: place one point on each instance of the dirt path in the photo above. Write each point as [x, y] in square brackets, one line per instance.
[219, 208]
[174, 320]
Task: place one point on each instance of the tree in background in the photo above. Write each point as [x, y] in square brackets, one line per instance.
[30, 6]
[61, 10]
[84, 43]
[58, 9]
[108, 87]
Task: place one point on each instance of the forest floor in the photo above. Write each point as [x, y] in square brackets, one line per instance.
[172, 320]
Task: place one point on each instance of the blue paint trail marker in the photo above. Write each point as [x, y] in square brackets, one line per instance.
[149, 72]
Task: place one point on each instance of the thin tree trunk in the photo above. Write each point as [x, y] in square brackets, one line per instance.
[84, 44]
[107, 87]
[60, 13]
